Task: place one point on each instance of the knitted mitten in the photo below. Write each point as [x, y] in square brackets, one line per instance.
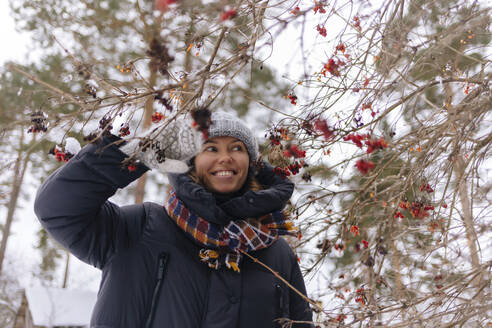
[167, 147]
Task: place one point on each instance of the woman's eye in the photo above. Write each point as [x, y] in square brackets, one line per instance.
[237, 148]
[210, 148]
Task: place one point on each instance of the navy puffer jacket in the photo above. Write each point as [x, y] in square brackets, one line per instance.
[151, 273]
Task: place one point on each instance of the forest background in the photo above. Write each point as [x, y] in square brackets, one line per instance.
[379, 111]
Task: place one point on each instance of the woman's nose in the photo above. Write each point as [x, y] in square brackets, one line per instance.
[225, 157]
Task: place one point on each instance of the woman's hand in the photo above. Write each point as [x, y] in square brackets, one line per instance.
[167, 147]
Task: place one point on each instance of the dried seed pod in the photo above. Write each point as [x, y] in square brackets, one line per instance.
[84, 71]
[39, 121]
[159, 56]
[90, 90]
[202, 118]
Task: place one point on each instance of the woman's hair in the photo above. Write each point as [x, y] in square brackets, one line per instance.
[251, 182]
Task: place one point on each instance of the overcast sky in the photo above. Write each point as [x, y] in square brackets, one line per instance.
[14, 46]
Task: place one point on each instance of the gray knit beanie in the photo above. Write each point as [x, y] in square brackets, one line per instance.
[227, 125]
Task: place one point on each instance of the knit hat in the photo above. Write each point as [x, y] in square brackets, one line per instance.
[227, 125]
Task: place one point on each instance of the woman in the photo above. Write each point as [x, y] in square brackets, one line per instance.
[181, 265]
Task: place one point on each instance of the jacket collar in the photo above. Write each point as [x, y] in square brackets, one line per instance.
[251, 204]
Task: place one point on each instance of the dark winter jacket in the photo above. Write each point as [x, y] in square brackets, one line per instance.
[151, 273]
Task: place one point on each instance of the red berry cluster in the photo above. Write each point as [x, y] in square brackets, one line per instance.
[228, 13]
[321, 31]
[404, 205]
[369, 104]
[354, 230]
[295, 167]
[295, 11]
[274, 140]
[277, 135]
[131, 167]
[319, 7]
[398, 215]
[124, 130]
[281, 171]
[339, 318]
[340, 47]
[357, 247]
[60, 154]
[426, 187]
[356, 138]
[435, 224]
[157, 117]
[292, 168]
[339, 246]
[372, 144]
[294, 151]
[364, 165]
[356, 20]
[333, 67]
[420, 210]
[293, 98]
[322, 126]
[163, 5]
[360, 296]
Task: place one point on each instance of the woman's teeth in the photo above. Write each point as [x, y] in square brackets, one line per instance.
[224, 173]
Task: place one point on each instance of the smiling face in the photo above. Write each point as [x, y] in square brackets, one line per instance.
[222, 165]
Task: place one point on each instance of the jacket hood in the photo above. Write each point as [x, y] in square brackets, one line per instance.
[251, 204]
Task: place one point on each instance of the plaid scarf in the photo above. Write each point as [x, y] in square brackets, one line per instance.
[224, 244]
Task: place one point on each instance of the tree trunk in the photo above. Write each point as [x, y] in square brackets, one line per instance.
[150, 33]
[19, 172]
[149, 104]
[371, 300]
[147, 121]
[67, 265]
[395, 259]
[462, 189]
[461, 184]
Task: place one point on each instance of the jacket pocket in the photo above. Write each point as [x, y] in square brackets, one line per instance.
[161, 268]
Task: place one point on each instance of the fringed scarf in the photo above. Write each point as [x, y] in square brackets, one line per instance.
[224, 244]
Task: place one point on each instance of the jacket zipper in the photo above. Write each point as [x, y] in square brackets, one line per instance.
[280, 304]
[162, 262]
[205, 307]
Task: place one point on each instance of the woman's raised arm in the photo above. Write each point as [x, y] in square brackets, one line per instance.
[72, 204]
